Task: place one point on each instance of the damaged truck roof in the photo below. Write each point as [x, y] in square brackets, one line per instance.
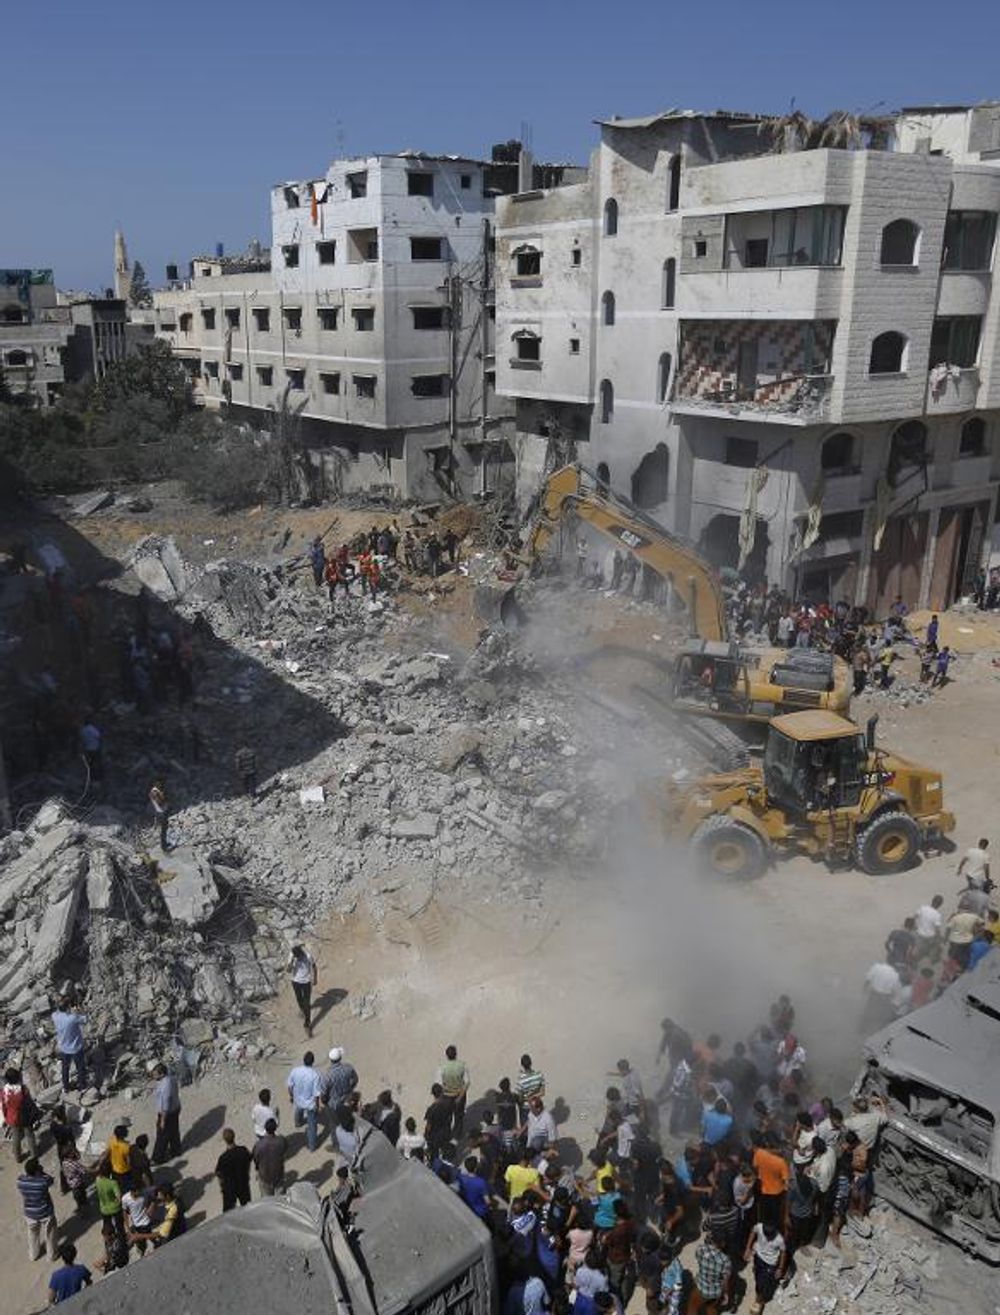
[417, 1243]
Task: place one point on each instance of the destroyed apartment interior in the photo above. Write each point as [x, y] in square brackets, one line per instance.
[496, 675]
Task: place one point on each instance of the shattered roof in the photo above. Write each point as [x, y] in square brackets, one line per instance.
[953, 1043]
[668, 116]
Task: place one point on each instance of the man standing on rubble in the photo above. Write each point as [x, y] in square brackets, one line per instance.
[304, 1087]
[161, 814]
[317, 560]
[453, 1076]
[167, 1099]
[69, 1043]
[302, 967]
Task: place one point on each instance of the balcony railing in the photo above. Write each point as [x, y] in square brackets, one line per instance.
[803, 397]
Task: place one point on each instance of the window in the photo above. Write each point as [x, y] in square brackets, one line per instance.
[420, 184]
[674, 184]
[973, 439]
[608, 309]
[265, 375]
[426, 248]
[290, 252]
[968, 239]
[293, 318]
[741, 452]
[837, 454]
[429, 385]
[167, 327]
[185, 321]
[331, 383]
[603, 473]
[208, 319]
[908, 448]
[364, 318]
[575, 256]
[888, 354]
[296, 379]
[262, 319]
[16, 356]
[357, 184]
[527, 262]
[669, 283]
[235, 371]
[610, 217]
[755, 253]
[808, 235]
[291, 198]
[899, 243]
[428, 317]
[211, 369]
[364, 385]
[651, 479]
[663, 377]
[607, 394]
[574, 346]
[362, 245]
[700, 248]
[233, 317]
[328, 318]
[466, 182]
[528, 347]
[955, 341]
[327, 253]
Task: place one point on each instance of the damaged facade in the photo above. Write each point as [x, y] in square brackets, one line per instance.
[715, 299]
[375, 313]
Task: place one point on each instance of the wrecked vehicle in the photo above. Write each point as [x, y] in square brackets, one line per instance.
[414, 1246]
[936, 1070]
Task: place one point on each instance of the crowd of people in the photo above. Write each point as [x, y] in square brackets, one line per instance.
[367, 558]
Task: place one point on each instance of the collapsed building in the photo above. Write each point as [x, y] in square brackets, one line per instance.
[779, 336]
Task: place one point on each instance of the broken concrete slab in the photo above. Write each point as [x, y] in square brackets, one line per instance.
[421, 826]
[159, 565]
[30, 870]
[100, 881]
[88, 503]
[188, 887]
[459, 744]
[312, 794]
[56, 930]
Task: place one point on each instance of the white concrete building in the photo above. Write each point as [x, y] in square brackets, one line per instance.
[375, 312]
[704, 306]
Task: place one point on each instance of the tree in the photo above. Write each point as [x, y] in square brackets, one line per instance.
[139, 293]
[150, 372]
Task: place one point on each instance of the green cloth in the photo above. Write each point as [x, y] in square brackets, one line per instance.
[109, 1196]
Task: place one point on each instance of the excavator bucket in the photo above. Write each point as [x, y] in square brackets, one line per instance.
[497, 605]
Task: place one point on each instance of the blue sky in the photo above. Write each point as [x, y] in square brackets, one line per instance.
[174, 118]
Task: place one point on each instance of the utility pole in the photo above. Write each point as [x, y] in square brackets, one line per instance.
[484, 343]
[454, 325]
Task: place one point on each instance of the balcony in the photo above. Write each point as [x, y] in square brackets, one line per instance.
[810, 292]
[793, 400]
[951, 389]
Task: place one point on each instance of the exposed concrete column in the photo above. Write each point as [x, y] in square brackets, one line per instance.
[927, 569]
[866, 554]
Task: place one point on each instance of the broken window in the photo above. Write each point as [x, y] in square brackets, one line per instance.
[327, 253]
[741, 452]
[899, 243]
[610, 217]
[972, 442]
[265, 375]
[527, 262]
[651, 480]
[419, 184]
[296, 380]
[669, 283]
[293, 318]
[331, 383]
[262, 319]
[908, 448]
[426, 248]
[574, 346]
[428, 317]
[429, 385]
[185, 322]
[208, 318]
[328, 317]
[608, 309]
[357, 184]
[888, 354]
[663, 377]
[362, 245]
[290, 252]
[837, 454]
[233, 317]
[291, 198]
[235, 371]
[955, 341]
[674, 183]
[528, 346]
[607, 393]
[364, 318]
[364, 385]
[968, 239]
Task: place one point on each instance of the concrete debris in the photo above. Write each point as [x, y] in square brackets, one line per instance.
[88, 503]
[159, 565]
[188, 888]
[312, 794]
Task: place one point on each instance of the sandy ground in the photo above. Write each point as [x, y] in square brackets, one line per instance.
[583, 975]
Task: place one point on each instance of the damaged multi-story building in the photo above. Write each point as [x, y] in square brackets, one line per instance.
[781, 337]
[370, 317]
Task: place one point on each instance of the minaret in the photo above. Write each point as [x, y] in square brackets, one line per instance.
[123, 275]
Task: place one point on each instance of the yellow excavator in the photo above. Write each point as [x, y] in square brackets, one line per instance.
[713, 676]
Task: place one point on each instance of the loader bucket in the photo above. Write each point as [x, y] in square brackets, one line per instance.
[497, 605]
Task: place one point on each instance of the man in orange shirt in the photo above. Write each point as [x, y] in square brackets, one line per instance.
[773, 1175]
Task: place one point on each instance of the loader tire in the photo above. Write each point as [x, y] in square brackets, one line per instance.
[729, 849]
[890, 843]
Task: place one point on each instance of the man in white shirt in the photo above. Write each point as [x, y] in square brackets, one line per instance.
[866, 1119]
[927, 926]
[263, 1111]
[882, 984]
[539, 1127]
[304, 1087]
[302, 967]
[975, 865]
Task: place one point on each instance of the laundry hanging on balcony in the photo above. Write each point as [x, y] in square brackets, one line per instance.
[748, 519]
[814, 515]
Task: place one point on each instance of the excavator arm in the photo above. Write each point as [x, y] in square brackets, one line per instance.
[573, 490]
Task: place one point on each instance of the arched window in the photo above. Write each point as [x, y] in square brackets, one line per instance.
[603, 477]
[888, 354]
[17, 357]
[973, 440]
[663, 377]
[899, 242]
[669, 283]
[837, 454]
[674, 184]
[610, 217]
[608, 308]
[908, 448]
[651, 480]
[607, 401]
